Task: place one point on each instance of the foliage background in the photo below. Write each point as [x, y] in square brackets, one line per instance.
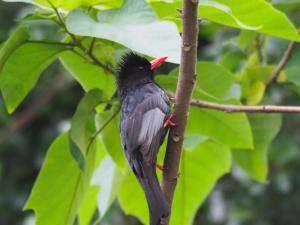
[236, 198]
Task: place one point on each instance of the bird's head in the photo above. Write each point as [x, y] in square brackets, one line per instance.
[134, 69]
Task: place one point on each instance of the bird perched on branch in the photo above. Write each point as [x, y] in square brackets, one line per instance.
[145, 117]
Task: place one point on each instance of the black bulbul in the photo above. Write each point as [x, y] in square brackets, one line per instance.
[145, 117]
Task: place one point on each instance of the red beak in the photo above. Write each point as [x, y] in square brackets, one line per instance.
[156, 62]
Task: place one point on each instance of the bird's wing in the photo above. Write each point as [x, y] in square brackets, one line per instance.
[144, 126]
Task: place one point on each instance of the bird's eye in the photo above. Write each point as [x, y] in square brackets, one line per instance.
[141, 68]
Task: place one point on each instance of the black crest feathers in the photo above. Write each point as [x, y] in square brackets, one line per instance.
[132, 69]
[129, 61]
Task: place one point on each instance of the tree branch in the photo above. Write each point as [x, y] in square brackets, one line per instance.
[184, 89]
[286, 56]
[241, 108]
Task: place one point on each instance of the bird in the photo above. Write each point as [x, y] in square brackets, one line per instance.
[144, 122]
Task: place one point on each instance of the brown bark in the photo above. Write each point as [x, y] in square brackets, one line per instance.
[187, 76]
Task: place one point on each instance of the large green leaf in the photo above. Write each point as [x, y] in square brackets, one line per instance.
[134, 25]
[88, 75]
[88, 205]
[22, 70]
[60, 186]
[213, 80]
[206, 86]
[111, 137]
[85, 110]
[109, 178]
[200, 170]
[72, 4]
[255, 13]
[264, 129]
[15, 40]
[133, 200]
[258, 15]
[231, 129]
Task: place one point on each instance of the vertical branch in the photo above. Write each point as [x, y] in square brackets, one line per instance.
[186, 81]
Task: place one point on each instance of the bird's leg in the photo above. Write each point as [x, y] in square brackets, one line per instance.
[160, 167]
[169, 122]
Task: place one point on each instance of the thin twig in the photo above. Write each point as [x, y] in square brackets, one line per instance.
[78, 43]
[62, 22]
[229, 108]
[92, 44]
[286, 56]
[102, 128]
[183, 96]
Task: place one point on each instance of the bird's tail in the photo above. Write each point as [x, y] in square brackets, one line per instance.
[158, 207]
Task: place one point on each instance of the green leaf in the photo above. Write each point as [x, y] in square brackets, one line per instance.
[256, 92]
[239, 14]
[134, 17]
[60, 186]
[200, 170]
[22, 70]
[109, 178]
[85, 110]
[208, 74]
[231, 129]
[110, 137]
[192, 141]
[264, 128]
[38, 16]
[15, 40]
[165, 12]
[72, 4]
[133, 200]
[246, 38]
[87, 74]
[231, 60]
[265, 18]
[88, 206]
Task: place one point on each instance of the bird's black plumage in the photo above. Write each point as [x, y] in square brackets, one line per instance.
[145, 107]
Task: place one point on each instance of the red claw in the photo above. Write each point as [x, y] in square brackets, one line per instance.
[168, 122]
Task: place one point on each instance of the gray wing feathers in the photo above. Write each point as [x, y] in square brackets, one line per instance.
[152, 122]
[143, 127]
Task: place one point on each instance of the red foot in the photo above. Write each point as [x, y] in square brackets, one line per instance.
[168, 122]
[160, 167]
